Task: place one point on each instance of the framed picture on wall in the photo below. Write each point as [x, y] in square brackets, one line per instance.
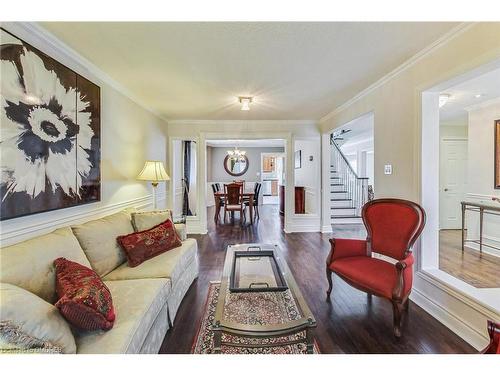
[50, 126]
[497, 154]
[298, 159]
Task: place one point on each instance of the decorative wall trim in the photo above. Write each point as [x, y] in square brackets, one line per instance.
[453, 322]
[10, 236]
[326, 229]
[453, 33]
[80, 64]
[464, 315]
[240, 122]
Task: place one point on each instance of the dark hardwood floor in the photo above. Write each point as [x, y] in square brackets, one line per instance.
[347, 324]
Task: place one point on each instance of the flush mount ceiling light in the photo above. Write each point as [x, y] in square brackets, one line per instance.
[477, 96]
[245, 102]
[443, 99]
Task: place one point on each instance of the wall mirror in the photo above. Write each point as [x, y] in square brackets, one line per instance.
[236, 165]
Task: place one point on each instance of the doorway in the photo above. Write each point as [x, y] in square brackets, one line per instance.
[272, 176]
[453, 181]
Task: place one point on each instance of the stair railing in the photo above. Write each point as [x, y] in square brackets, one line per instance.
[357, 187]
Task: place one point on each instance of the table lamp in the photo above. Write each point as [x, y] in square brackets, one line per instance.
[153, 171]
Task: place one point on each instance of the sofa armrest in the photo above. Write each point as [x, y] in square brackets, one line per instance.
[181, 231]
[342, 248]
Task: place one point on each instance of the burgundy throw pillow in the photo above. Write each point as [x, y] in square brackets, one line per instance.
[144, 245]
[84, 300]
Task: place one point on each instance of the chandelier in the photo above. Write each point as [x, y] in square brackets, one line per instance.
[236, 154]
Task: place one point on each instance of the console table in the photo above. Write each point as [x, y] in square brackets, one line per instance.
[482, 209]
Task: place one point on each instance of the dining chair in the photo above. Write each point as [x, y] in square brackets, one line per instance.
[234, 200]
[256, 191]
[216, 189]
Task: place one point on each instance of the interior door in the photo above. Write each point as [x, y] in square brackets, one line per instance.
[453, 182]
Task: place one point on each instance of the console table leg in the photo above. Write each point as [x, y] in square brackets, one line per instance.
[217, 342]
[481, 211]
[463, 226]
[309, 341]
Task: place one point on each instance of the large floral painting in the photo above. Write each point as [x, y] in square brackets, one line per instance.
[49, 132]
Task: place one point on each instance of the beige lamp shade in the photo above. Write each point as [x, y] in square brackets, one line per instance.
[153, 171]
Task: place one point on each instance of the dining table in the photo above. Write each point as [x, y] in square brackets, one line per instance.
[221, 195]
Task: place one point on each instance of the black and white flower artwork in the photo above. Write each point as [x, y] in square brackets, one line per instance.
[49, 132]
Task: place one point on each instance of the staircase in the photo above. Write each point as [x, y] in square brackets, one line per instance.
[348, 192]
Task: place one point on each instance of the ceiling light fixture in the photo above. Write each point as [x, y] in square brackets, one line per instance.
[245, 102]
[443, 99]
[477, 96]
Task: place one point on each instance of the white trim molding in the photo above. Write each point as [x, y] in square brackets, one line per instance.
[462, 314]
[67, 217]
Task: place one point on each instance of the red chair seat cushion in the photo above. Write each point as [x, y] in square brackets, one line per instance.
[369, 273]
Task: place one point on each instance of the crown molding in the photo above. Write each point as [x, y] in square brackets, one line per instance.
[36, 35]
[453, 33]
[242, 122]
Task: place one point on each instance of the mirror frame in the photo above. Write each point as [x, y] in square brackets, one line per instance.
[236, 174]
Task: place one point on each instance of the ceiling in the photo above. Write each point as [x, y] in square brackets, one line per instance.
[247, 143]
[463, 96]
[295, 70]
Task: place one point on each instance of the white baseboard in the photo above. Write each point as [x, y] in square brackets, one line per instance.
[465, 317]
[326, 228]
[453, 322]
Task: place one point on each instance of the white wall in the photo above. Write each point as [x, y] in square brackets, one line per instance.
[480, 171]
[130, 134]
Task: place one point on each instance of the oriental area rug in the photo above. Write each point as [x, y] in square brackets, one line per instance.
[271, 307]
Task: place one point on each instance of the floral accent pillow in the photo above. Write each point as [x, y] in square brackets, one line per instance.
[84, 300]
[147, 244]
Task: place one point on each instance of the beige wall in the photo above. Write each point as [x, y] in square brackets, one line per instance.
[397, 106]
[130, 135]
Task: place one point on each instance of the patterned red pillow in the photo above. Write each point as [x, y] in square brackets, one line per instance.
[84, 300]
[144, 245]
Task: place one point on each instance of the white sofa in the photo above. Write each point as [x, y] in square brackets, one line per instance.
[146, 298]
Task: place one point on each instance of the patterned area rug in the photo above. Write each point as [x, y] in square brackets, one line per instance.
[250, 308]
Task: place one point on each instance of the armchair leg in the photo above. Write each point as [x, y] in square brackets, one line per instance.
[330, 284]
[396, 309]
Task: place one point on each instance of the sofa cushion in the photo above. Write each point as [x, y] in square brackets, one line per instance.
[170, 264]
[137, 304]
[148, 219]
[30, 264]
[28, 323]
[149, 243]
[84, 300]
[98, 240]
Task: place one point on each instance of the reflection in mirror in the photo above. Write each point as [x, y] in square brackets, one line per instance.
[469, 217]
[236, 165]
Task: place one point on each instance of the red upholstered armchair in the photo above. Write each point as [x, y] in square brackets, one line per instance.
[393, 225]
[494, 345]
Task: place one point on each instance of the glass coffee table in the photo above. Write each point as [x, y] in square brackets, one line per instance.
[260, 301]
